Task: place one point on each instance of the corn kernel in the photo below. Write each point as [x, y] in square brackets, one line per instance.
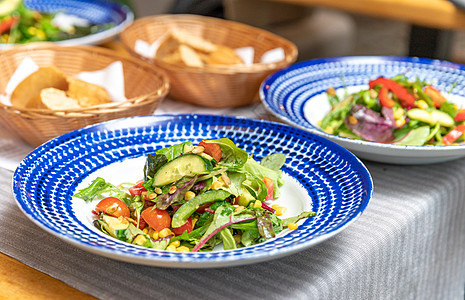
[32, 30]
[189, 195]
[145, 230]
[257, 204]
[292, 226]
[158, 191]
[422, 104]
[275, 206]
[175, 243]
[155, 235]
[216, 185]
[398, 114]
[329, 130]
[183, 249]
[400, 123]
[140, 240]
[41, 34]
[353, 120]
[280, 211]
[165, 232]
[171, 248]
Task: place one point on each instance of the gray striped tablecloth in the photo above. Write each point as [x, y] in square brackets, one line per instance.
[409, 244]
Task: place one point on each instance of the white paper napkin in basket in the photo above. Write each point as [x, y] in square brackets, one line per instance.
[111, 78]
[245, 53]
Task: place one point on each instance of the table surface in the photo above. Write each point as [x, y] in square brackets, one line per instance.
[411, 213]
[440, 14]
[407, 244]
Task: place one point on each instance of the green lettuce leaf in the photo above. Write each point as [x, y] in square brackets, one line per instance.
[99, 189]
[174, 151]
[260, 171]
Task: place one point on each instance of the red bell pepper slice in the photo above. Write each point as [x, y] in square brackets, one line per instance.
[384, 98]
[454, 134]
[7, 23]
[405, 98]
[435, 95]
[460, 116]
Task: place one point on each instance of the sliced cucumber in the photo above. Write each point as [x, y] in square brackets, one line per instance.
[416, 137]
[431, 117]
[185, 211]
[116, 227]
[245, 197]
[8, 6]
[185, 165]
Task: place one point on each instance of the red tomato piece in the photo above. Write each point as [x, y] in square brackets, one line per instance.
[114, 207]
[269, 186]
[7, 23]
[212, 149]
[435, 95]
[187, 226]
[137, 189]
[158, 219]
[460, 116]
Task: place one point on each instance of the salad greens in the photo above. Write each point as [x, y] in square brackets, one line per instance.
[193, 198]
[19, 24]
[396, 111]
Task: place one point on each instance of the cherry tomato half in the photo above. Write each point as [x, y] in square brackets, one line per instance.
[137, 189]
[114, 207]
[212, 149]
[157, 219]
[270, 187]
[187, 226]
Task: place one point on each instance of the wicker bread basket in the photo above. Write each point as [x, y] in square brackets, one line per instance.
[215, 86]
[145, 87]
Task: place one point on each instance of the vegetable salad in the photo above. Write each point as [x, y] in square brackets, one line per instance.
[19, 24]
[192, 198]
[397, 111]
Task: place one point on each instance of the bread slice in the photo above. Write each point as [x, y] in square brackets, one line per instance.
[87, 94]
[56, 99]
[26, 94]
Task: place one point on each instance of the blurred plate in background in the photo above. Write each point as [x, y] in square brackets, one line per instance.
[297, 95]
[96, 12]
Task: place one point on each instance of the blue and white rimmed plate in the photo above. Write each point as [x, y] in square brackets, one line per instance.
[297, 96]
[95, 11]
[319, 175]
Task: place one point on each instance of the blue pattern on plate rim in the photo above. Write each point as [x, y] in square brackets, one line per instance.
[286, 92]
[338, 184]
